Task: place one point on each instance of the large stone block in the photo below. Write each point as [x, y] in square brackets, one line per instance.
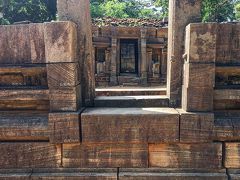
[171, 174]
[64, 127]
[65, 99]
[224, 44]
[29, 155]
[196, 127]
[199, 75]
[60, 42]
[235, 56]
[197, 99]
[105, 155]
[36, 33]
[63, 74]
[201, 42]
[24, 126]
[24, 99]
[136, 125]
[207, 155]
[232, 155]
[15, 47]
[12, 76]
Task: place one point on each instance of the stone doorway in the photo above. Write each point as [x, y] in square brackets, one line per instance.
[129, 56]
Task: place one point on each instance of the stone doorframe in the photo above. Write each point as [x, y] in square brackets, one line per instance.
[181, 13]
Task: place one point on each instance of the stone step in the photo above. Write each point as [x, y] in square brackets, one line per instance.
[130, 91]
[114, 174]
[131, 101]
[126, 125]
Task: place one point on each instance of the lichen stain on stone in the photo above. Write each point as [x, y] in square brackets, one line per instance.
[59, 38]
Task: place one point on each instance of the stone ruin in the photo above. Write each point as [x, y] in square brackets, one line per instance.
[130, 55]
[53, 127]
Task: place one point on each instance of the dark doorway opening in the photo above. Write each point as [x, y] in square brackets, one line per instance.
[129, 56]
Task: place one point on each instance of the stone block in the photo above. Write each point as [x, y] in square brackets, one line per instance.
[24, 99]
[12, 76]
[60, 42]
[196, 127]
[235, 56]
[64, 127]
[125, 125]
[24, 126]
[36, 33]
[224, 43]
[206, 155]
[199, 75]
[15, 45]
[201, 42]
[232, 155]
[29, 155]
[197, 99]
[64, 99]
[105, 155]
[63, 74]
[171, 174]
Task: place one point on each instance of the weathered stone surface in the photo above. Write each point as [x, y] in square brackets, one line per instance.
[131, 101]
[201, 42]
[197, 99]
[78, 11]
[196, 127]
[224, 43]
[29, 155]
[64, 99]
[105, 155]
[226, 99]
[15, 45]
[235, 55]
[24, 125]
[64, 127]
[59, 173]
[207, 155]
[136, 125]
[199, 75]
[12, 76]
[24, 99]
[227, 76]
[60, 42]
[234, 174]
[180, 15]
[63, 74]
[171, 174]
[232, 156]
[36, 33]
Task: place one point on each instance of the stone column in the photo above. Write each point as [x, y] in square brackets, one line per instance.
[78, 11]
[164, 64]
[107, 61]
[149, 60]
[113, 73]
[143, 61]
[181, 13]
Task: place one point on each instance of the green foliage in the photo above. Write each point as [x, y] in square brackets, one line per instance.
[218, 10]
[164, 6]
[31, 10]
[121, 9]
[237, 10]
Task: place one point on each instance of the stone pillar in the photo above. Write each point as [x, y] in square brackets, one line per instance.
[149, 60]
[181, 13]
[199, 67]
[107, 60]
[78, 11]
[164, 64]
[143, 61]
[113, 73]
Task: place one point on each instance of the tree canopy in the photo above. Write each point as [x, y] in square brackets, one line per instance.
[45, 10]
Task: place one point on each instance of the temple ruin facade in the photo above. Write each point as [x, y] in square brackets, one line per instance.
[54, 123]
[130, 55]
